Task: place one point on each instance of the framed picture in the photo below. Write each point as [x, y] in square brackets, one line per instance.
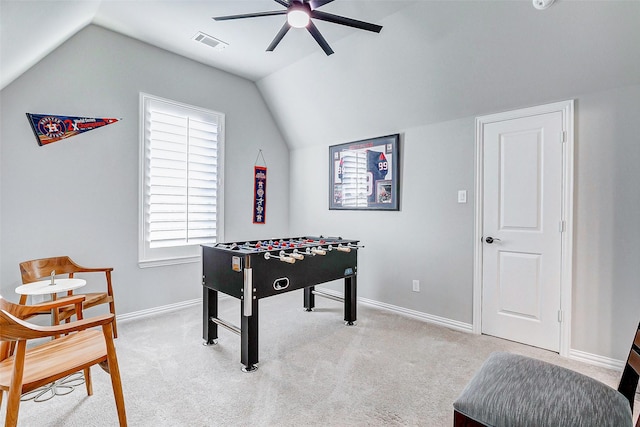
[365, 174]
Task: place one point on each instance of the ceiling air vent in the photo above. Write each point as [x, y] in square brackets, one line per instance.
[210, 41]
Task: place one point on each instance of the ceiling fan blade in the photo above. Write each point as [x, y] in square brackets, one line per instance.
[285, 3]
[342, 20]
[250, 15]
[313, 30]
[318, 3]
[279, 37]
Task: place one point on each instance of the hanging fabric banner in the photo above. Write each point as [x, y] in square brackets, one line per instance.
[50, 128]
[259, 194]
[259, 191]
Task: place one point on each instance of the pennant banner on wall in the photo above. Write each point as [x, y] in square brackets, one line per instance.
[50, 128]
[259, 194]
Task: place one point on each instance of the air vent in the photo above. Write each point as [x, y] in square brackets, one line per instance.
[210, 41]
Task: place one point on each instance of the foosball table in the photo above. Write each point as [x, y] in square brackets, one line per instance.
[262, 268]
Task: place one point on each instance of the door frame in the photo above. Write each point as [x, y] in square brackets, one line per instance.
[566, 285]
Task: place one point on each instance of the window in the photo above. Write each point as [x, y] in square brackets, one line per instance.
[181, 156]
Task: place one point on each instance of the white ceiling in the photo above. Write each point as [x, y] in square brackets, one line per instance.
[434, 60]
[29, 30]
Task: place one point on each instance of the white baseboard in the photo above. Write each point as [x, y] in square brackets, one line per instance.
[156, 310]
[582, 356]
[594, 359]
[430, 318]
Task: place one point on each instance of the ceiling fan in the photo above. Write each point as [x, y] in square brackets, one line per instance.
[299, 14]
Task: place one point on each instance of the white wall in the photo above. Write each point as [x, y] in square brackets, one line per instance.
[79, 196]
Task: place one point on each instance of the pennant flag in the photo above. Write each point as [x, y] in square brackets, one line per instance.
[259, 194]
[49, 128]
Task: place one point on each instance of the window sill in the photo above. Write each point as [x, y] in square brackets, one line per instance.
[168, 261]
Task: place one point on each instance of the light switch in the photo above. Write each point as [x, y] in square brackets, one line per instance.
[462, 196]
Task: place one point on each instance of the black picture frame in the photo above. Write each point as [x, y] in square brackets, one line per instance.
[365, 174]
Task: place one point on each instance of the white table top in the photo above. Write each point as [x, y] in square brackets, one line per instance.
[44, 287]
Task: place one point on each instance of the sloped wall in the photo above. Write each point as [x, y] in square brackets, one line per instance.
[428, 79]
[79, 196]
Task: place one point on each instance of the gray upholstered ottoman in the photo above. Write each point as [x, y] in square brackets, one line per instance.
[516, 391]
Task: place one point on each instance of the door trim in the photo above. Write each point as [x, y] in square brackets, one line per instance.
[566, 285]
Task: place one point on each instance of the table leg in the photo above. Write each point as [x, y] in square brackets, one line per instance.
[309, 298]
[209, 310]
[249, 338]
[350, 300]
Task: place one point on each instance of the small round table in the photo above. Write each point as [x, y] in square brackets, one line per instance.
[64, 385]
[44, 287]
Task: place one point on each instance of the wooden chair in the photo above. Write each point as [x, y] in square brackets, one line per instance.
[39, 269]
[512, 390]
[28, 369]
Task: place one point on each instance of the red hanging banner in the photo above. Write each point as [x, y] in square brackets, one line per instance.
[259, 194]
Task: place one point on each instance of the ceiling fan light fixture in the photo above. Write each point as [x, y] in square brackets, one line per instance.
[299, 14]
[298, 18]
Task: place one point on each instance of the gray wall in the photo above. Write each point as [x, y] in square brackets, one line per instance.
[436, 61]
[79, 196]
[606, 292]
[428, 79]
[431, 238]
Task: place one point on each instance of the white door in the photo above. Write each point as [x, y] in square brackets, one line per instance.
[522, 225]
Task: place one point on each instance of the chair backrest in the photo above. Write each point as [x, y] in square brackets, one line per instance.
[15, 310]
[5, 347]
[37, 269]
[631, 373]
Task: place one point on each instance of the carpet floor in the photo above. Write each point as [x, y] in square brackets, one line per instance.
[388, 370]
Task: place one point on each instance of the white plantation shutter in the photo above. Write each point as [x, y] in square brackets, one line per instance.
[181, 202]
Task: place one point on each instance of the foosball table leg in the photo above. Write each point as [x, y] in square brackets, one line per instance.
[249, 338]
[350, 300]
[209, 310]
[309, 298]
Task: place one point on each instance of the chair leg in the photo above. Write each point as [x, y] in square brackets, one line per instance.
[112, 304]
[112, 308]
[460, 420]
[114, 372]
[15, 388]
[87, 381]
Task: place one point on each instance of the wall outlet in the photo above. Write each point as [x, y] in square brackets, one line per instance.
[416, 286]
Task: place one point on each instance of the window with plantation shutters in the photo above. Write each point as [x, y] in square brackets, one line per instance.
[181, 152]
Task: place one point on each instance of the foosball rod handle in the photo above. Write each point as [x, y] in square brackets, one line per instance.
[296, 255]
[282, 258]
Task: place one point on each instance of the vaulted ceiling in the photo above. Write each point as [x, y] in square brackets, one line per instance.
[434, 60]
[31, 29]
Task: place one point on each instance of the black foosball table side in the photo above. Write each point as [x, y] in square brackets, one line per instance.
[249, 276]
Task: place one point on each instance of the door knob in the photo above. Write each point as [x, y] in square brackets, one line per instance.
[491, 239]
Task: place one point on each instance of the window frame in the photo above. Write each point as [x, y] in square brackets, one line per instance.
[153, 257]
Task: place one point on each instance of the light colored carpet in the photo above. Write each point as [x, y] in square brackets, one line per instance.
[388, 370]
